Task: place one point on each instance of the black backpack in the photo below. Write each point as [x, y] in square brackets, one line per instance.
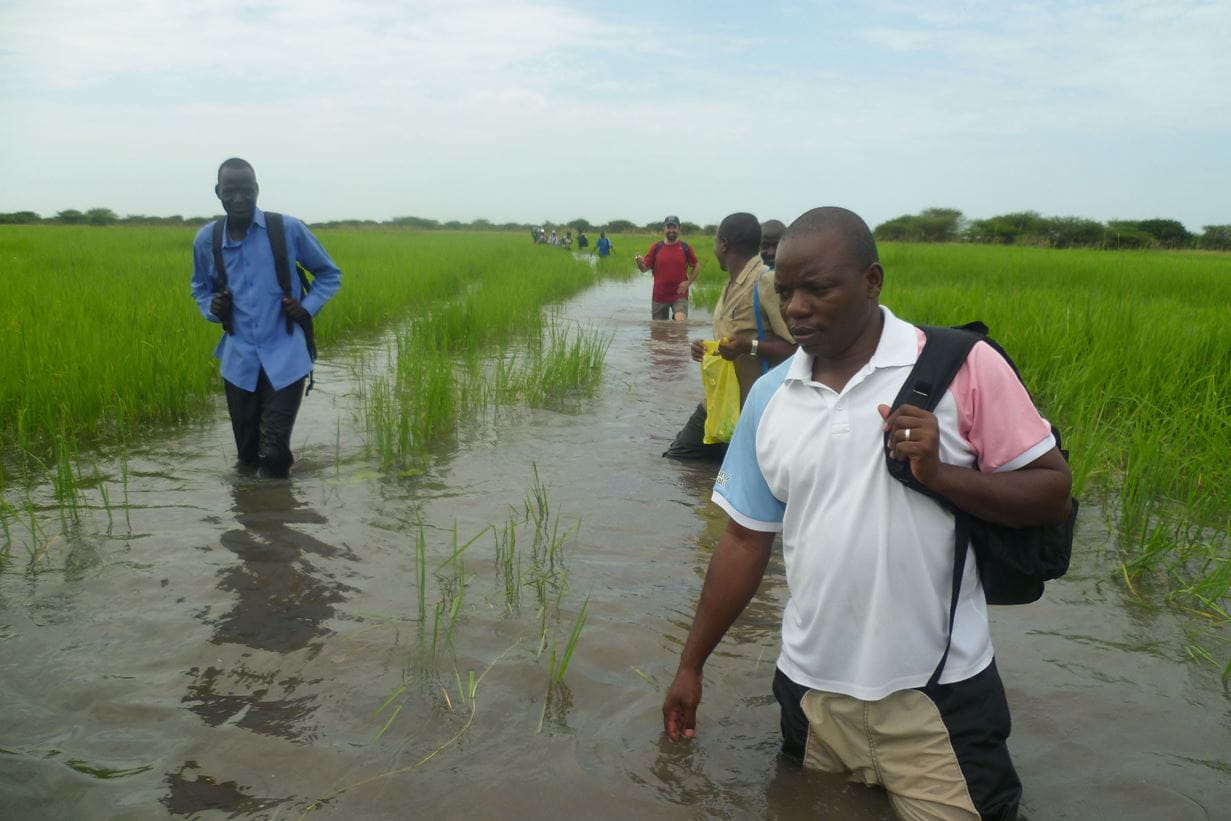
[1013, 562]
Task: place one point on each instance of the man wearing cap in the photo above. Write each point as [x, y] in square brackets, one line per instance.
[675, 268]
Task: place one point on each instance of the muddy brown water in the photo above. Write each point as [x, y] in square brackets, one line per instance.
[233, 648]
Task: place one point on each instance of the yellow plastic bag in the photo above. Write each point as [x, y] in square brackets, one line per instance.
[721, 395]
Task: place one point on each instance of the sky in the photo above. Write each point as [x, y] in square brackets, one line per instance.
[517, 111]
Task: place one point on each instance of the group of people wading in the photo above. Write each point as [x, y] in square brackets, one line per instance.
[869, 562]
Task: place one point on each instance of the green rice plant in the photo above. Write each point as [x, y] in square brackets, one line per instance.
[421, 570]
[558, 663]
[650, 680]
[508, 563]
[127, 506]
[38, 539]
[457, 554]
[570, 647]
[485, 344]
[398, 691]
[6, 552]
[537, 504]
[436, 608]
[106, 498]
[452, 586]
[470, 693]
[65, 483]
[94, 375]
[454, 609]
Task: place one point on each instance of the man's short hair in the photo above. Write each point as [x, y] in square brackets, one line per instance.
[860, 243]
[742, 232]
[773, 225]
[236, 163]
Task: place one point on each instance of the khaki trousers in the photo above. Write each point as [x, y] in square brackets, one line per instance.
[940, 755]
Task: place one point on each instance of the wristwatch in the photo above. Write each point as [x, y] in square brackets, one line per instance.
[753, 352]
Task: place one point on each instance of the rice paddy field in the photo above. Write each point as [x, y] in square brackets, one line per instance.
[469, 598]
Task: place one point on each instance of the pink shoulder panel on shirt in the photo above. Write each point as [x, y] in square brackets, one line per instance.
[995, 413]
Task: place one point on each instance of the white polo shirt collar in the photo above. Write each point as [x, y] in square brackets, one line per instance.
[897, 346]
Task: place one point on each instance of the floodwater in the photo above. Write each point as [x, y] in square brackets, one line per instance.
[231, 648]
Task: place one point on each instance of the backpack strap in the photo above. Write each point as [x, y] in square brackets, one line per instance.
[220, 269]
[961, 545]
[657, 247]
[276, 229]
[282, 263]
[756, 311]
[944, 352]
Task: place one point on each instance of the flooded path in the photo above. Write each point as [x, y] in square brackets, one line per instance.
[230, 648]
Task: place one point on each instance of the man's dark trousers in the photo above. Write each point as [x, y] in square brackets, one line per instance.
[262, 421]
[689, 443]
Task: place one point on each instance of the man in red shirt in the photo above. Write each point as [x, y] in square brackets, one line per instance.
[675, 268]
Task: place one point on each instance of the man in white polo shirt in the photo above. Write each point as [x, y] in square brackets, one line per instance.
[869, 561]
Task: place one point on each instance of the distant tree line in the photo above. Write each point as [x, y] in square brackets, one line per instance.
[96, 216]
[1031, 228]
[929, 225]
[105, 216]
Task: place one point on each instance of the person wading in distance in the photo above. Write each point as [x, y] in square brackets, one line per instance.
[864, 681]
[266, 349]
[603, 247]
[674, 264]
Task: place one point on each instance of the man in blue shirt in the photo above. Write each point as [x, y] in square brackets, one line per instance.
[264, 357]
[603, 246]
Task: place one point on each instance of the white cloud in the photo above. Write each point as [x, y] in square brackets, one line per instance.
[1079, 65]
[529, 110]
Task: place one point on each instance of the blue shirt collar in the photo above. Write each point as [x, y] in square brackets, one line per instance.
[258, 218]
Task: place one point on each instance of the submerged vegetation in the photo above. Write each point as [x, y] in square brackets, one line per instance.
[527, 554]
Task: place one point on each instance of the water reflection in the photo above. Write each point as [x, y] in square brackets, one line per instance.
[282, 599]
[758, 783]
[281, 605]
[191, 795]
[794, 792]
[263, 705]
[760, 622]
[667, 349]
